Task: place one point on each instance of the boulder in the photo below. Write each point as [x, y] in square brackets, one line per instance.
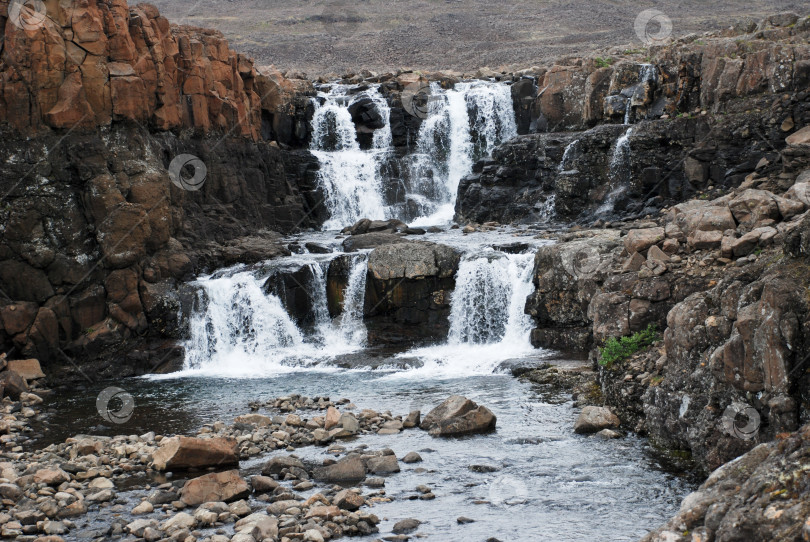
[371, 240]
[29, 369]
[347, 470]
[413, 260]
[348, 500]
[190, 452]
[593, 419]
[458, 415]
[753, 206]
[802, 137]
[642, 239]
[278, 464]
[215, 487]
[385, 464]
[691, 219]
[12, 384]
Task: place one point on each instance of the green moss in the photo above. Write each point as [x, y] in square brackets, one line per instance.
[618, 349]
[604, 62]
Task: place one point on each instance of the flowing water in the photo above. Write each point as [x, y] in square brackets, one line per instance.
[532, 479]
[463, 124]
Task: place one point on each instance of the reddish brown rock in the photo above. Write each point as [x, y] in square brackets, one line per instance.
[29, 369]
[18, 317]
[215, 487]
[188, 452]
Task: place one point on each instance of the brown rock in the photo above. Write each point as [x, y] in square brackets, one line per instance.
[18, 317]
[263, 484]
[72, 108]
[802, 137]
[458, 415]
[12, 384]
[215, 487]
[633, 263]
[51, 477]
[123, 235]
[332, 418]
[641, 240]
[705, 240]
[348, 500]
[188, 452]
[593, 419]
[753, 206]
[657, 254]
[350, 469]
[29, 369]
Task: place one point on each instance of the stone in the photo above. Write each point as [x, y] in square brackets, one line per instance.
[348, 500]
[347, 470]
[29, 369]
[655, 253]
[412, 457]
[458, 415]
[12, 384]
[705, 218]
[753, 206]
[260, 525]
[332, 418]
[385, 464]
[705, 240]
[137, 527]
[799, 138]
[263, 484]
[413, 419]
[178, 522]
[371, 240]
[215, 487]
[593, 419]
[254, 419]
[642, 239]
[144, 507]
[278, 464]
[633, 263]
[51, 477]
[406, 526]
[324, 512]
[189, 452]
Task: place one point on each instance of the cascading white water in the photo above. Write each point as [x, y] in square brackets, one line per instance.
[488, 324]
[235, 324]
[619, 171]
[348, 331]
[464, 124]
[349, 176]
[236, 329]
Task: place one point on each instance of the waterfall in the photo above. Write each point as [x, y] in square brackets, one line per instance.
[235, 324]
[619, 172]
[464, 124]
[237, 329]
[488, 324]
[570, 154]
[349, 176]
[347, 332]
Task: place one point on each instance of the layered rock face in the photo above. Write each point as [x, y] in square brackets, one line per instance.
[408, 291]
[136, 153]
[706, 113]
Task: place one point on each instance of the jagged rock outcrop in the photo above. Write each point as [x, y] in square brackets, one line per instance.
[107, 112]
[708, 113]
[759, 496]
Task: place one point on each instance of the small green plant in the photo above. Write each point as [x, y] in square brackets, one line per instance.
[621, 348]
[634, 51]
[603, 62]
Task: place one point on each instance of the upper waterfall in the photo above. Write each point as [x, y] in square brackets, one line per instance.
[463, 124]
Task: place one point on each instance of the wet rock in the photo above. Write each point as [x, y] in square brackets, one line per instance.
[348, 500]
[593, 419]
[215, 487]
[144, 508]
[188, 452]
[458, 415]
[386, 464]
[263, 484]
[412, 457]
[278, 464]
[371, 240]
[350, 469]
[406, 526]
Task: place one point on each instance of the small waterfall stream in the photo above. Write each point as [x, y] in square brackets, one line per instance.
[349, 176]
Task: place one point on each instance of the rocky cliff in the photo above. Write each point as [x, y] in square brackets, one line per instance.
[706, 111]
[135, 153]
